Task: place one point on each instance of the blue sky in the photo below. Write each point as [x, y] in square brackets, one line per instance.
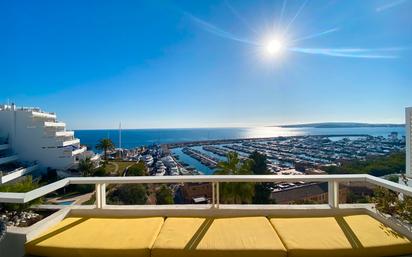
[205, 63]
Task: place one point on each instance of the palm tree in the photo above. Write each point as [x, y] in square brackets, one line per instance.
[86, 167]
[236, 192]
[105, 144]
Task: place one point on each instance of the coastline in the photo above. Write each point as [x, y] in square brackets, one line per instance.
[133, 138]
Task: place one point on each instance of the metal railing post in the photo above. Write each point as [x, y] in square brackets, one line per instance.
[333, 194]
[217, 195]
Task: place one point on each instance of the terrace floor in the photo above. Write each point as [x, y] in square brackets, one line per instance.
[258, 236]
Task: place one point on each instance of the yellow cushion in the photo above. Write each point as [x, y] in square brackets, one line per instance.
[233, 237]
[353, 235]
[97, 237]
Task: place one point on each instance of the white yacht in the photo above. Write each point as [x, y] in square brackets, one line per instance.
[160, 172]
[174, 171]
[148, 159]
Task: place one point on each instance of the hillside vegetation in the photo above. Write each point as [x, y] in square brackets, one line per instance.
[376, 165]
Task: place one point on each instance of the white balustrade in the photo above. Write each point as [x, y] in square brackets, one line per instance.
[102, 182]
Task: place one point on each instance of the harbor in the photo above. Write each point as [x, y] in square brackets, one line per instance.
[285, 153]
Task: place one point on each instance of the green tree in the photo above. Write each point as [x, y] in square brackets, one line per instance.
[386, 200]
[100, 172]
[138, 169]
[262, 194]
[129, 194]
[235, 192]
[105, 145]
[26, 184]
[393, 178]
[373, 165]
[164, 195]
[86, 167]
[389, 202]
[405, 209]
[259, 165]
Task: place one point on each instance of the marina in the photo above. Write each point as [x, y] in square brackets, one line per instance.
[285, 153]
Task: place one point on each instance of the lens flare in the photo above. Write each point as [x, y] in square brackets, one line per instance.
[274, 47]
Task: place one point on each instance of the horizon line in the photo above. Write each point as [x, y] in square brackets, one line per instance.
[262, 126]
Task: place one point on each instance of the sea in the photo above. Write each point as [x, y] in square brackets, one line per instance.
[132, 138]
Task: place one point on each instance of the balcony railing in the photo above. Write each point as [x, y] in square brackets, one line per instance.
[4, 178]
[44, 115]
[54, 124]
[79, 151]
[8, 159]
[215, 209]
[102, 182]
[71, 142]
[4, 147]
[64, 133]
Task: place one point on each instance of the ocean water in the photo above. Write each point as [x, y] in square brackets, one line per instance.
[138, 137]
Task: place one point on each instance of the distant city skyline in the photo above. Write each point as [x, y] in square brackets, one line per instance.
[187, 64]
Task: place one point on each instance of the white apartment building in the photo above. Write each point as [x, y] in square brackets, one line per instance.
[30, 135]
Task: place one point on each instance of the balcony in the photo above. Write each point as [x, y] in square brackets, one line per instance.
[213, 229]
[7, 159]
[95, 157]
[79, 151]
[71, 142]
[64, 134]
[46, 115]
[54, 124]
[16, 173]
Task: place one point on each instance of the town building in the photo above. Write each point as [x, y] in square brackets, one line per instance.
[192, 192]
[34, 139]
[307, 193]
[393, 136]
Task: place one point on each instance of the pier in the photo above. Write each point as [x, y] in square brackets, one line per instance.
[215, 150]
[202, 158]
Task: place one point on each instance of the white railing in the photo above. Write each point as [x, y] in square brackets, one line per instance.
[54, 124]
[4, 146]
[17, 173]
[71, 142]
[64, 133]
[43, 115]
[8, 159]
[79, 151]
[102, 182]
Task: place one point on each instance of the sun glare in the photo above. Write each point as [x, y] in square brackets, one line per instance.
[274, 47]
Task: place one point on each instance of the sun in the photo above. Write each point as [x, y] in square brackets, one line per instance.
[274, 47]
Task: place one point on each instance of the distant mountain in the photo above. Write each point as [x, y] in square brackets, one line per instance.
[340, 125]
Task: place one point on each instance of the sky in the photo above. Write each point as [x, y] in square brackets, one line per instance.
[176, 64]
